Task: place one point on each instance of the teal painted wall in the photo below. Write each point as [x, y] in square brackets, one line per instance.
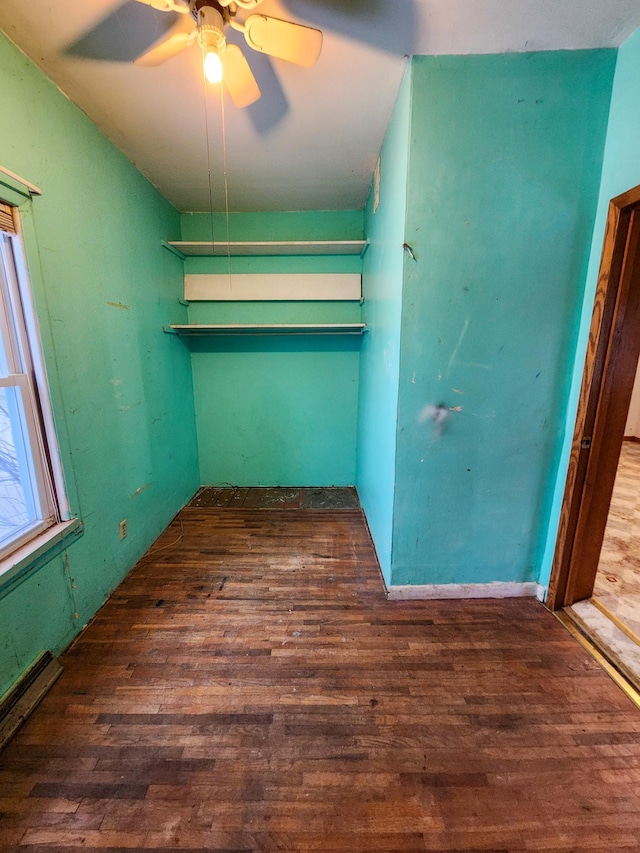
[380, 356]
[121, 389]
[276, 411]
[620, 172]
[504, 170]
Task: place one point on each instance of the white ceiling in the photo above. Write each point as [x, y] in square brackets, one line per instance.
[312, 141]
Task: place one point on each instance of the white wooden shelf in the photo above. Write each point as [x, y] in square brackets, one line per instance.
[273, 287]
[201, 329]
[187, 249]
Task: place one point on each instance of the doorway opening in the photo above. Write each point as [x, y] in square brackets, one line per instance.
[598, 512]
[611, 617]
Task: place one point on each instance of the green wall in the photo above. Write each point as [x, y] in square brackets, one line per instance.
[379, 363]
[504, 169]
[121, 389]
[278, 411]
[620, 172]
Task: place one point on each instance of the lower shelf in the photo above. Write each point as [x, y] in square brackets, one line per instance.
[268, 329]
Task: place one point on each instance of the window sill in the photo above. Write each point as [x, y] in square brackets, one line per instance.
[30, 557]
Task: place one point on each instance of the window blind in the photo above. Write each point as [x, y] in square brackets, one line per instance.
[6, 218]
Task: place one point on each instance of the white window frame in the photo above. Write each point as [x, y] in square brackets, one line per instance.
[26, 372]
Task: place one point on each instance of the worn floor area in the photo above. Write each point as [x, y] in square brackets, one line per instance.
[277, 497]
[249, 688]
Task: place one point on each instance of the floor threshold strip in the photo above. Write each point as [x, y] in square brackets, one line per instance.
[612, 671]
[630, 633]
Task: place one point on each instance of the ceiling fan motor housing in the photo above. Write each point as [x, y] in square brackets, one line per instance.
[197, 6]
[211, 18]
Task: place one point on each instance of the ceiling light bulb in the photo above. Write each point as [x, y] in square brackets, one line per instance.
[213, 67]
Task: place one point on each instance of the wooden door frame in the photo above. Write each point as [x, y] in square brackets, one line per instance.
[605, 394]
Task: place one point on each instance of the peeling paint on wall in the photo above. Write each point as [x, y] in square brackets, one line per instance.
[138, 490]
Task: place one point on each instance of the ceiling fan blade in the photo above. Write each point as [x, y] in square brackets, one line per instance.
[165, 50]
[283, 39]
[238, 77]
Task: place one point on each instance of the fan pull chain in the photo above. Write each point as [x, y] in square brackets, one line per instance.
[226, 184]
[206, 126]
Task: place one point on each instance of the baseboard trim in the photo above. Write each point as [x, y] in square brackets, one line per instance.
[25, 696]
[631, 438]
[497, 589]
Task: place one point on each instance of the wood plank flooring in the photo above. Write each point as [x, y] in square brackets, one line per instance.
[249, 688]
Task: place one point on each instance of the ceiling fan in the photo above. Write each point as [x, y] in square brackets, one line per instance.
[225, 62]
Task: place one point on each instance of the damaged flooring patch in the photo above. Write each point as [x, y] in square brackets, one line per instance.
[255, 497]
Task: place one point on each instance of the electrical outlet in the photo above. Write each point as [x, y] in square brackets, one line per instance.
[123, 528]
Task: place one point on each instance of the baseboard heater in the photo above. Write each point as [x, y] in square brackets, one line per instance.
[22, 700]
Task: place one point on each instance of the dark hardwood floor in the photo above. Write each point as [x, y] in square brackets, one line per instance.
[249, 688]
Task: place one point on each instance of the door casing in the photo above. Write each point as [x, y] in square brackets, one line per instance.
[605, 394]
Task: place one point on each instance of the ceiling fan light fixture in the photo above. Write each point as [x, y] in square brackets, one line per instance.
[213, 66]
[212, 41]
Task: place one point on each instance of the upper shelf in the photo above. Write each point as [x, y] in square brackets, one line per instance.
[267, 329]
[265, 248]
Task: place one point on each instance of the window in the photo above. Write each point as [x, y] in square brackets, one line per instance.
[30, 481]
